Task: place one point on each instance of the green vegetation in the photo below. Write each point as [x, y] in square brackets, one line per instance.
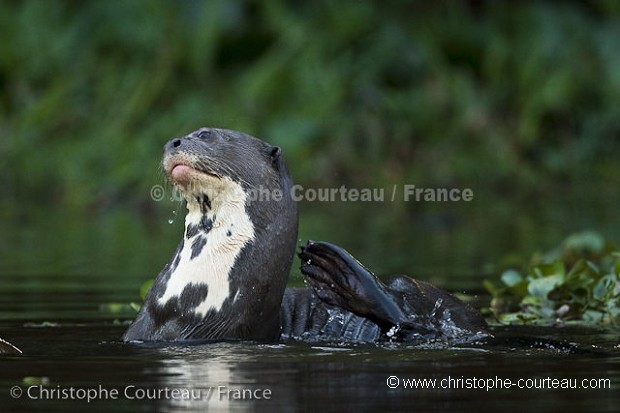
[519, 101]
[579, 282]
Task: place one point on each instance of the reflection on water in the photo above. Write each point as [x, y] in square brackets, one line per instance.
[210, 371]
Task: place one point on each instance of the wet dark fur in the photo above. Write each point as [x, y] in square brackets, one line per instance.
[346, 301]
[261, 271]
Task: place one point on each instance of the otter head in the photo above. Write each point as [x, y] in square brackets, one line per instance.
[228, 275]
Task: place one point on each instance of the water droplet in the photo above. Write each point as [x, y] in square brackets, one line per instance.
[436, 307]
[392, 331]
[174, 214]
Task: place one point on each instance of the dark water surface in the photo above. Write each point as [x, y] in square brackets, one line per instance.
[71, 349]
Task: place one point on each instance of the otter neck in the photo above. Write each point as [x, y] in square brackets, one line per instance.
[217, 229]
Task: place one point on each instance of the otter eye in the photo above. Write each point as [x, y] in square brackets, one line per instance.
[205, 134]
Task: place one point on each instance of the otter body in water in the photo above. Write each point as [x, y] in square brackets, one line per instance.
[227, 278]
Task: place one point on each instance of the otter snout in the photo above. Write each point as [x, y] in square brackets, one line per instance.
[173, 143]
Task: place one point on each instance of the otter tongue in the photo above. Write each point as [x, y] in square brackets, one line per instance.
[182, 174]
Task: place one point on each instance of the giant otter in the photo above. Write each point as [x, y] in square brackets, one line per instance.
[227, 278]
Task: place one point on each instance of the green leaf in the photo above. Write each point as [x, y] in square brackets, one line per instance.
[491, 288]
[583, 287]
[556, 268]
[604, 288]
[592, 316]
[617, 264]
[145, 287]
[35, 380]
[113, 308]
[587, 242]
[511, 278]
[541, 287]
[582, 270]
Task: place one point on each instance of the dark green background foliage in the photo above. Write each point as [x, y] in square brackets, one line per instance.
[519, 101]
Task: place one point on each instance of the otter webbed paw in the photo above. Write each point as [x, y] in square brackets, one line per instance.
[404, 309]
[340, 280]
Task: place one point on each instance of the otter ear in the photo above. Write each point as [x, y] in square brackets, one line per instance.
[274, 153]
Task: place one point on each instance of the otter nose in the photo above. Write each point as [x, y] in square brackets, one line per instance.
[173, 144]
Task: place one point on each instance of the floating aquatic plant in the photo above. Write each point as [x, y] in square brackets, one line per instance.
[577, 283]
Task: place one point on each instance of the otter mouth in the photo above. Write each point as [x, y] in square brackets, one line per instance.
[197, 185]
[180, 172]
[184, 175]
